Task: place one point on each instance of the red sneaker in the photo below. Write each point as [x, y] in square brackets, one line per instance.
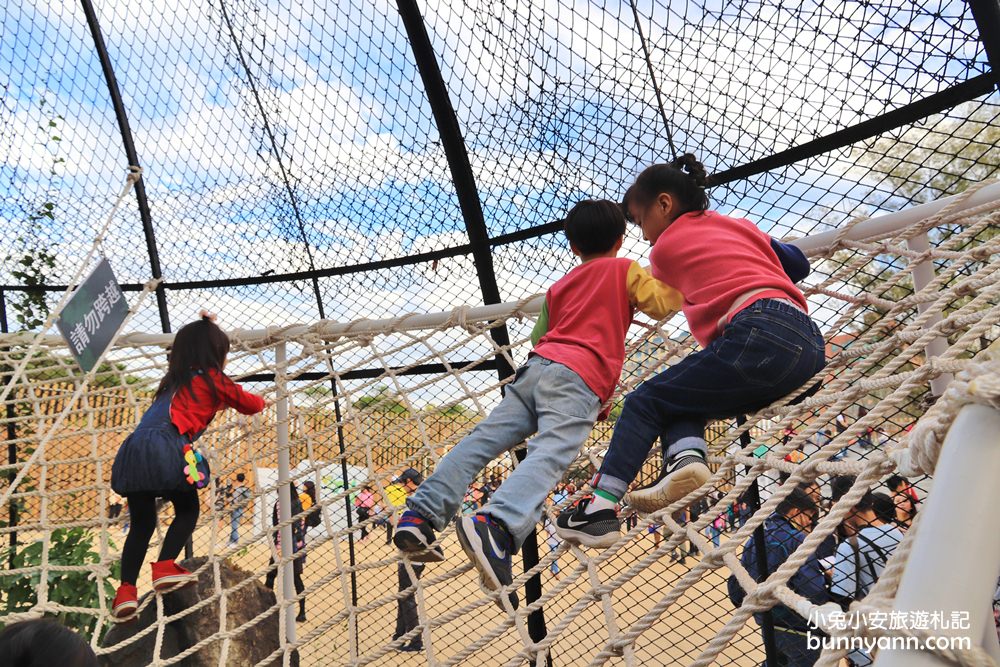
[126, 602]
[168, 575]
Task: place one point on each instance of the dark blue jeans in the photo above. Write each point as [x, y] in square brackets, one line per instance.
[767, 351]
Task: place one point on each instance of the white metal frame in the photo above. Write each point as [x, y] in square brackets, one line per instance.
[955, 560]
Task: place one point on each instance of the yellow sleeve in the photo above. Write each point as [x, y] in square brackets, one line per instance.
[649, 295]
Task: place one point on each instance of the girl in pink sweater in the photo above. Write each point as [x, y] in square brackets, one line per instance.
[758, 344]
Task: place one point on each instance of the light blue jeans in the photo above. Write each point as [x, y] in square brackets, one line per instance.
[546, 397]
[234, 525]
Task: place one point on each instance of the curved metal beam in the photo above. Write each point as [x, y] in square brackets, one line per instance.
[475, 224]
[133, 159]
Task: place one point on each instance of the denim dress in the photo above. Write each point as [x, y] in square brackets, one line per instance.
[151, 459]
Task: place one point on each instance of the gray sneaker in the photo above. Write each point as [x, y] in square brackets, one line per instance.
[679, 477]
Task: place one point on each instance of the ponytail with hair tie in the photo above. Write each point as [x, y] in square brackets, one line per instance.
[689, 164]
[684, 178]
[206, 315]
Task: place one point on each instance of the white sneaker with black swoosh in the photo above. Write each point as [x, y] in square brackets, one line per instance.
[680, 476]
[489, 546]
[598, 529]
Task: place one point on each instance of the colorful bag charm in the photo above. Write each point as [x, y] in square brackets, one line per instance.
[194, 475]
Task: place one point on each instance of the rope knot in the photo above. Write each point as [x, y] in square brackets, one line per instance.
[713, 559]
[597, 592]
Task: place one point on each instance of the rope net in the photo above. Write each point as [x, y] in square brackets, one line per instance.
[370, 398]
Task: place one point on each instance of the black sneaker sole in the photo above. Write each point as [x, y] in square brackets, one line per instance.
[586, 539]
[415, 550]
[472, 546]
[670, 489]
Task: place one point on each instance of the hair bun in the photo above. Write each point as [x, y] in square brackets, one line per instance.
[205, 315]
[689, 164]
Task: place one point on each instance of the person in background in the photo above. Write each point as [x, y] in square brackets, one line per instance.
[784, 531]
[310, 506]
[241, 499]
[470, 503]
[364, 503]
[863, 555]
[654, 530]
[865, 438]
[485, 491]
[822, 438]
[43, 642]
[906, 499]
[128, 516]
[298, 548]
[840, 423]
[406, 607]
[680, 516]
[884, 508]
[395, 496]
[552, 539]
[716, 528]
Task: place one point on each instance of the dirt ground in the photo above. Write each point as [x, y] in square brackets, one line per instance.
[461, 615]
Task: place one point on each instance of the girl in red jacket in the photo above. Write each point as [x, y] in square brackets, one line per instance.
[158, 459]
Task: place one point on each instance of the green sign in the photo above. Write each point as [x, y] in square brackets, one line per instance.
[92, 316]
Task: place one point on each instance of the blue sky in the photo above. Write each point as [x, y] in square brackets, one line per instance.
[553, 98]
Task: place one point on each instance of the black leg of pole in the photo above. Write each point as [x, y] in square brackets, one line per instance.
[467, 194]
[986, 14]
[752, 498]
[133, 160]
[10, 413]
[348, 507]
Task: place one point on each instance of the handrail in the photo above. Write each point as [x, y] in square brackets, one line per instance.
[953, 562]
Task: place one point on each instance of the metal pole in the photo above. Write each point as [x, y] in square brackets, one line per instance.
[475, 224]
[348, 506]
[284, 490]
[133, 158]
[954, 562]
[275, 150]
[140, 188]
[923, 275]
[986, 14]
[11, 445]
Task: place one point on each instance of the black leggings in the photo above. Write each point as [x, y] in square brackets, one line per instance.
[142, 508]
[272, 575]
[363, 515]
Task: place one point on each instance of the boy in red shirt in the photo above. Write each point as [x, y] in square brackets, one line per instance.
[558, 394]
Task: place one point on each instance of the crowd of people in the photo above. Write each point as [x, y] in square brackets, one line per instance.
[842, 569]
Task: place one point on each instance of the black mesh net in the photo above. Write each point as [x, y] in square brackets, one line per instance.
[283, 139]
[368, 160]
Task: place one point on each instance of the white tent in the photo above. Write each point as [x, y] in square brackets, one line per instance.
[331, 483]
